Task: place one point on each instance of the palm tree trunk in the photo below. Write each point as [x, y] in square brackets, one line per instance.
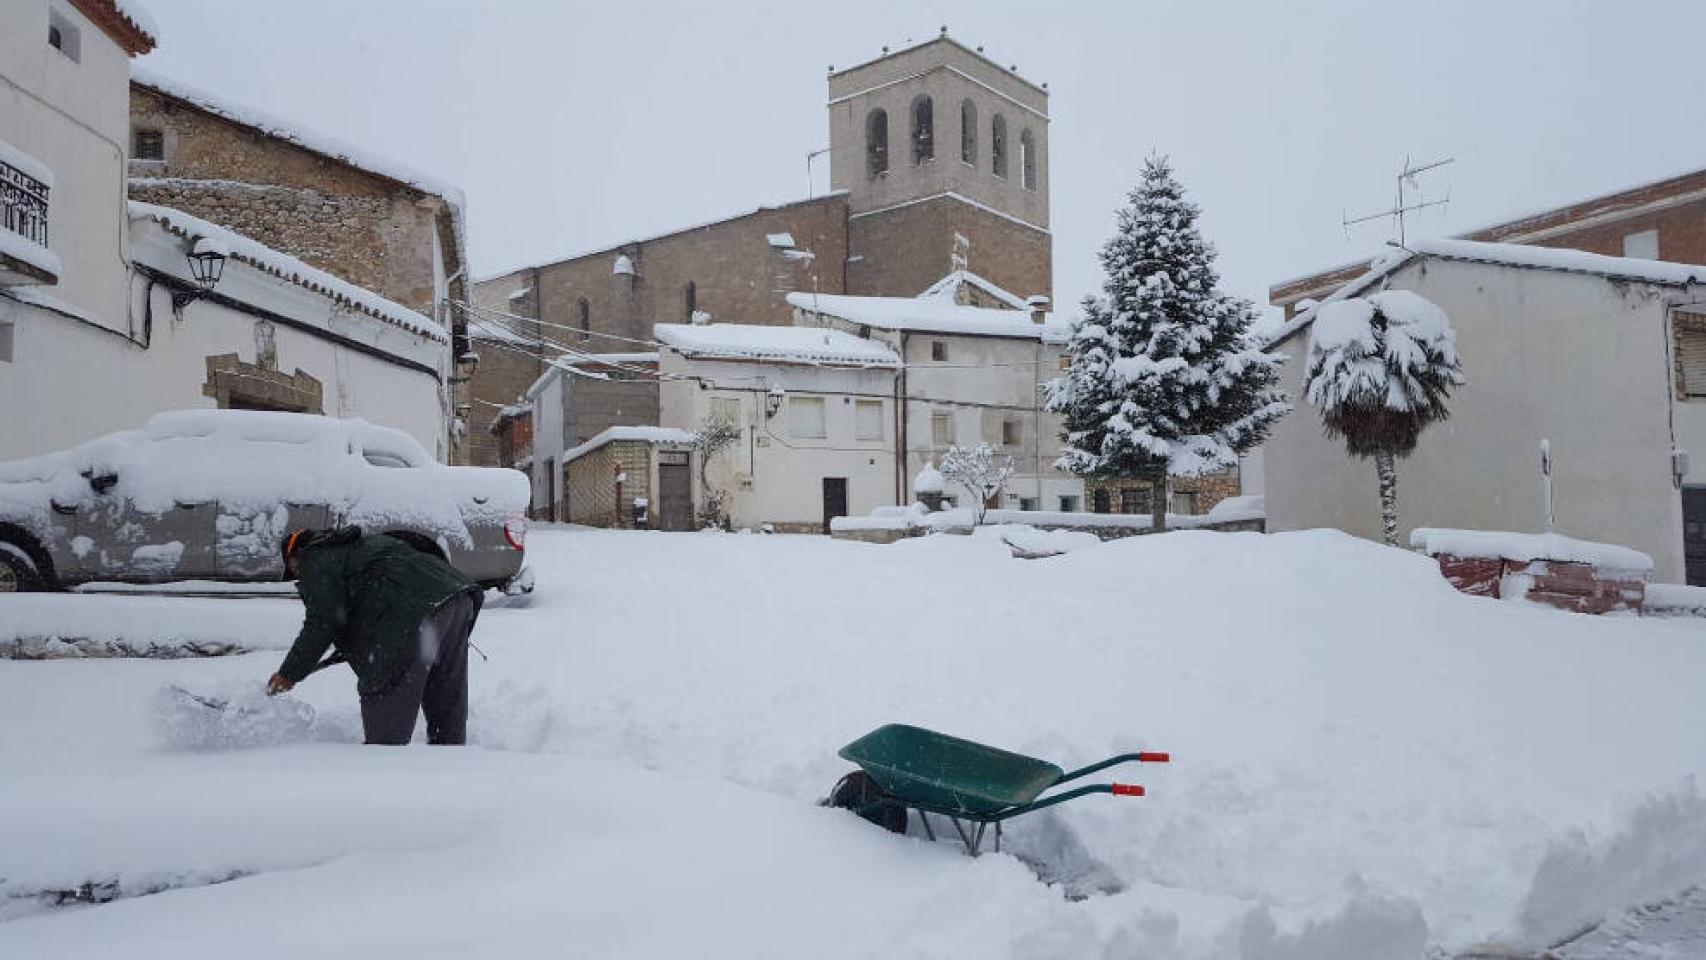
[1158, 502]
[1388, 472]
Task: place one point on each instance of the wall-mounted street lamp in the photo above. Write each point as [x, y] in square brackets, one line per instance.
[773, 401]
[207, 264]
[470, 362]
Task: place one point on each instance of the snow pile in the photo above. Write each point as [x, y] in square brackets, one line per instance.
[1248, 507]
[929, 480]
[71, 625]
[742, 341]
[1366, 765]
[1674, 600]
[236, 715]
[19, 247]
[1028, 541]
[1499, 544]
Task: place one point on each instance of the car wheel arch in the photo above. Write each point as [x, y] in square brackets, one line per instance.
[12, 535]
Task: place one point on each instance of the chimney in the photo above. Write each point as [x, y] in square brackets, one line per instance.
[1039, 308]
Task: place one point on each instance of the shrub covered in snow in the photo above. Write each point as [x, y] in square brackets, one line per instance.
[979, 472]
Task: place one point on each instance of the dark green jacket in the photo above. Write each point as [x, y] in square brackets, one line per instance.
[367, 596]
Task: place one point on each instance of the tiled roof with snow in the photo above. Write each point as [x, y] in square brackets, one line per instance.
[1521, 255]
[948, 285]
[662, 435]
[741, 341]
[284, 266]
[930, 315]
[289, 131]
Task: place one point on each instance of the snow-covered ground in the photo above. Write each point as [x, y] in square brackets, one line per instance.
[1366, 765]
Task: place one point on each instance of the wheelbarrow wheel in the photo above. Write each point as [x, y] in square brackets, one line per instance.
[859, 793]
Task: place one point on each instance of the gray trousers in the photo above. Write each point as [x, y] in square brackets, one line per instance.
[436, 682]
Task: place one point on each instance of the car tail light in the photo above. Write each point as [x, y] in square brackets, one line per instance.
[515, 531]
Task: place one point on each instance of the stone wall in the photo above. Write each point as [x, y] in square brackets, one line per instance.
[501, 378]
[362, 226]
[1205, 492]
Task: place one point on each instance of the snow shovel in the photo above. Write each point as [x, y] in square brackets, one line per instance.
[247, 717]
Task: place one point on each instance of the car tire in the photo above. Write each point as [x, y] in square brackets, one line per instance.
[18, 573]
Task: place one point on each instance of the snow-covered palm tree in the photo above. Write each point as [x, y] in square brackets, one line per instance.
[1380, 370]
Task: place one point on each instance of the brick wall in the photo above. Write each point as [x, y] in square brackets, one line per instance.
[591, 485]
[1576, 587]
[903, 251]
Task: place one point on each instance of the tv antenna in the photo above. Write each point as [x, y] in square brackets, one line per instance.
[1406, 179]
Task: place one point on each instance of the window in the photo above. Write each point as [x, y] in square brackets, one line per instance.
[1100, 499]
[998, 146]
[1131, 500]
[877, 143]
[923, 130]
[1065, 361]
[1027, 503]
[942, 430]
[586, 319]
[1009, 433]
[149, 145]
[6, 341]
[63, 35]
[868, 419]
[1691, 354]
[690, 299]
[1028, 160]
[1184, 502]
[805, 418]
[1642, 246]
[1068, 504]
[726, 409]
[938, 350]
[968, 132]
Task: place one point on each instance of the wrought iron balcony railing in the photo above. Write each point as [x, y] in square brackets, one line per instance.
[23, 204]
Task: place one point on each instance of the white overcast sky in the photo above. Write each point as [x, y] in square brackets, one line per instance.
[573, 125]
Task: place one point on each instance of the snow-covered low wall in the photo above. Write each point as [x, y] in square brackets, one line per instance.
[1674, 600]
[889, 524]
[1576, 575]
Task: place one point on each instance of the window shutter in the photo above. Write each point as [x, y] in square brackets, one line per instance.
[1692, 353]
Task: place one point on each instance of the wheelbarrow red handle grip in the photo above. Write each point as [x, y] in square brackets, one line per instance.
[1127, 790]
[1154, 757]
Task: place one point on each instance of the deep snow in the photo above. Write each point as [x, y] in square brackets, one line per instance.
[1367, 765]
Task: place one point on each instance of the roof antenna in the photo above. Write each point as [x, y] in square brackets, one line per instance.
[1406, 177]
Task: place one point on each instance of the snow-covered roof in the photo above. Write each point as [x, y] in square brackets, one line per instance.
[1521, 547]
[742, 341]
[948, 285]
[139, 17]
[783, 239]
[319, 143]
[655, 435]
[1509, 255]
[930, 315]
[286, 267]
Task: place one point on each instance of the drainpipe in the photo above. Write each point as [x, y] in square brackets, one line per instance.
[901, 489]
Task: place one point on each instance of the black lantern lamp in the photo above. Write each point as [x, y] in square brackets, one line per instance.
[207, 264]
[773, 400]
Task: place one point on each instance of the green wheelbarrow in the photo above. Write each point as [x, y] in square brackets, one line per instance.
[974, 786]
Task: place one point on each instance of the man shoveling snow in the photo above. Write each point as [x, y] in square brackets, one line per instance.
[401, 619]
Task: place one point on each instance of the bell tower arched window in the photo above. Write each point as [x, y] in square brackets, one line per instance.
[1028, 160]
[998, 146]
[923, 130]
[968, 132]
[690, 299]
[586, 319]
[877, 143]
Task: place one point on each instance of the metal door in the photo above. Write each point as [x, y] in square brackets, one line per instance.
[1694, 534]
[675, 497]
[834, 499]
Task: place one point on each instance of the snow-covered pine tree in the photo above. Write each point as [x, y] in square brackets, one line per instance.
[1380, 370]
[1164, 379]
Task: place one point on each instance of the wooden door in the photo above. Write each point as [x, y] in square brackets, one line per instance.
[675, 497]
[834, 499]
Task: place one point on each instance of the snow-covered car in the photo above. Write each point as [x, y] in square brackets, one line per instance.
[209, 494]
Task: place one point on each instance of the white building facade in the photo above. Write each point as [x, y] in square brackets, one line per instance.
[816, 411]
[113, 325]
[1604, 357]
